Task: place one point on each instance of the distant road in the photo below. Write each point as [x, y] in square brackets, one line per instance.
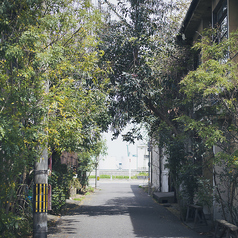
[119, 208]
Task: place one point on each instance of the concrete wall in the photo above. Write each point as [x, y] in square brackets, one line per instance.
[165, 173]
[155, 169]
[160, 174]
[143, 160]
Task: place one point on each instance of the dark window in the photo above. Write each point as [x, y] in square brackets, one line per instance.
[220, 21]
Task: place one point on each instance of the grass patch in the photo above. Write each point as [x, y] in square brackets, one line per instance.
[142, 174]
[122, 177]
[77, 199]
[80, 197]
[90, 189]
[106, 176]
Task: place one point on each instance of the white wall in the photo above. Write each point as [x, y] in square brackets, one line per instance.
[155, 169]
[143, 160]
[159, 172]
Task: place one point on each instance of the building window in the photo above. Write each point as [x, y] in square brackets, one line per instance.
[220, 21]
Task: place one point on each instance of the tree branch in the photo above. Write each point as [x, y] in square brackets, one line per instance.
[163, 117]
[119, 16]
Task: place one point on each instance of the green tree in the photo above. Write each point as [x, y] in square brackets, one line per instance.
[147, 67]
[22, 109]
[212, 88]
[49, 81]
[88, 160]
[140, 48]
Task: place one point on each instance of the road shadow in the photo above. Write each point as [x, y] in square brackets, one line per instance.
[149, 219]
[67, 228]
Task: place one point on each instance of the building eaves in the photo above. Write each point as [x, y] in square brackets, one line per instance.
[198, 10]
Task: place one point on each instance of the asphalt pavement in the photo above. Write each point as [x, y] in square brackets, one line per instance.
[120, 208]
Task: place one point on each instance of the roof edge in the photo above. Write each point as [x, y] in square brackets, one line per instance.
[188, 16]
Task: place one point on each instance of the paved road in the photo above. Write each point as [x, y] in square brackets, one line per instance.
[121, 209]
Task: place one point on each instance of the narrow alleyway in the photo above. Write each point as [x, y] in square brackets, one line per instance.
[120, 209]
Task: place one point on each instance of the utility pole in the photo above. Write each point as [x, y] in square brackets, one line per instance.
[149, 164]
[40, 196]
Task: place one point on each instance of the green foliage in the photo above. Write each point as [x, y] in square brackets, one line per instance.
[147, 69]
[60, 190]
[212, 88]
[16, 225]
[143, 174]
[9, 224]
[91, 176]
[21, 108]
[90, 189]
[225, 180]
[78, 199]
[189, 178]
[208, 130]
[144, 80]
[204, 194]
[75, 183]
[106, 176]
[88, 159]
[52, 89]
[122, 177]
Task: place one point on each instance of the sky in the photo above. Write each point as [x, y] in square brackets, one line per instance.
[117, 150]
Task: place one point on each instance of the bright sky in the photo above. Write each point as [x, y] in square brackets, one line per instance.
[118, 148]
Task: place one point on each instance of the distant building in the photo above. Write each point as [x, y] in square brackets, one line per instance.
[137, 162]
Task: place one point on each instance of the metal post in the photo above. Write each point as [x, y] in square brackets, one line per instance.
[40, 196]
[129, 169]
[96, 172]
[149, 175]
[149, 150]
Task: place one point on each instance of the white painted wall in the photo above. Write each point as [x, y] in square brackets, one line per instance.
[159, 173]
[165, 173]
[155, 169]
[143, 160]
